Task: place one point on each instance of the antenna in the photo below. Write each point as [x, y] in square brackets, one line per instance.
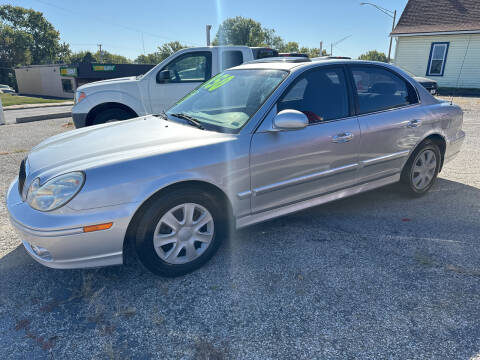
[460, 71]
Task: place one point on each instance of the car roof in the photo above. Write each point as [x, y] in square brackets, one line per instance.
[274, 63]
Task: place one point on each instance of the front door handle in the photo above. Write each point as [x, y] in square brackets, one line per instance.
[342, 138]
[414, 123]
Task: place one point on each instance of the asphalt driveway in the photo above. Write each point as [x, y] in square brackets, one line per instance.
[374, 276]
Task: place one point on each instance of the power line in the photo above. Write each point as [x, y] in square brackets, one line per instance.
[110, 23]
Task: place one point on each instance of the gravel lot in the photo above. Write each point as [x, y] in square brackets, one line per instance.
[373, 276]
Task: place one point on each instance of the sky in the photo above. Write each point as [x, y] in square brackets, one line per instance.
[131, 28]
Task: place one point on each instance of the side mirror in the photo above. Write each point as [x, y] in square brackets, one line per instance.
[289, 120]
[163, 76]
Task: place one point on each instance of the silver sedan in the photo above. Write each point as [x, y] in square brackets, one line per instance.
[255, 142]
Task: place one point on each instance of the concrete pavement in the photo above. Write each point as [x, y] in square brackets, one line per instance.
[36, 113]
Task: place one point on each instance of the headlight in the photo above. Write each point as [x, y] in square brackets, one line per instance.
[55, 192]
[79, 96]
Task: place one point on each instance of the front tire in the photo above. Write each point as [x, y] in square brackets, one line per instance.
[421, 169]
[180, 231]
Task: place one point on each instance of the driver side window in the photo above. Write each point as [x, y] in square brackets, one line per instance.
[321, 94]
[193, 67]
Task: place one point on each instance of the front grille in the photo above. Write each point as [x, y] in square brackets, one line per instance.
[21, 177]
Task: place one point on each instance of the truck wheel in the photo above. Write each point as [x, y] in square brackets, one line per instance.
[112, 114]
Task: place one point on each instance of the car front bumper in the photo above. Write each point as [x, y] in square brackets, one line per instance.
[57, 240]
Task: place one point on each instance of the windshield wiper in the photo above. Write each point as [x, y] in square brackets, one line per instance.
[190, 120]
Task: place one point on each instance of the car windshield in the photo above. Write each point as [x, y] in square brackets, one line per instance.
[227, 101]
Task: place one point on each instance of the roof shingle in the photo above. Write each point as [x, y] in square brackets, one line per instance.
[423, 16]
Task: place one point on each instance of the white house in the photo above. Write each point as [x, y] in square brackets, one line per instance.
[441, 40]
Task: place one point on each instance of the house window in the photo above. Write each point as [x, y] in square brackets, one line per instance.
[438, 56]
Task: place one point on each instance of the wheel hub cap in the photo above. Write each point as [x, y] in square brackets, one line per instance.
[183, 233]
[424, 169]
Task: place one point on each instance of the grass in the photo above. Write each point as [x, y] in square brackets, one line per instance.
[8, 99]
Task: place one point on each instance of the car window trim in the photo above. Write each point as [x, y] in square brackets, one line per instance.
[351, 109]
[208, 56]
[354, 91]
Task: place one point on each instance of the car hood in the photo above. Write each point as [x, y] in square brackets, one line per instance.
[113, 142]
[95, 84]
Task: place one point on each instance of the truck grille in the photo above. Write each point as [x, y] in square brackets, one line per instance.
[21, 177]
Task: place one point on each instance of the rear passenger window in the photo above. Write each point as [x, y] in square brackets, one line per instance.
[320, 94]
[379, 89]
[231, 59]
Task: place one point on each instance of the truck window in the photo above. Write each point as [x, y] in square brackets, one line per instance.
[261, 53]
[231, 58]
[191, 67]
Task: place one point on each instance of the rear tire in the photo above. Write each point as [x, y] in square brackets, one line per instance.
[112, 114]
[190, 238]
[421, 170]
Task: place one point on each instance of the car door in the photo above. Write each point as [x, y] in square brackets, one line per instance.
[390, 120]
[290, 166]
[187, 71]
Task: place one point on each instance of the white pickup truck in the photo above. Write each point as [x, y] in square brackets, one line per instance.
[158, 89]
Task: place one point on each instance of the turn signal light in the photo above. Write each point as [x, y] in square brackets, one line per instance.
[81, 96]
[97, 227]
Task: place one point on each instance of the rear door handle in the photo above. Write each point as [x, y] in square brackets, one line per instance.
[414, 123]
[342, 138]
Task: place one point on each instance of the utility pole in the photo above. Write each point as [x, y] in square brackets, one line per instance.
[337, 42]
[391, 37]
[143, 45]
[100, 52]
[321, 48]
[208, 28]
[392, 14]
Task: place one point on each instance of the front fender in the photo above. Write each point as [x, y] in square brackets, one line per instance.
[132, 99]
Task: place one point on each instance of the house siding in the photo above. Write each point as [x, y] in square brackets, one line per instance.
[412, 54]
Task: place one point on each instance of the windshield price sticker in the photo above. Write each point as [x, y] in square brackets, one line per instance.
[217, 82]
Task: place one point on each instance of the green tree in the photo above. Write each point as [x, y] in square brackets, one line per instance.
[289, 47]
[44, 40]
[313, 52]
[106, 57]
[14, 47]
[373, 55]
[241, 31]
[245, 31]
[272, 39]
[14, 50]
[161, 54]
